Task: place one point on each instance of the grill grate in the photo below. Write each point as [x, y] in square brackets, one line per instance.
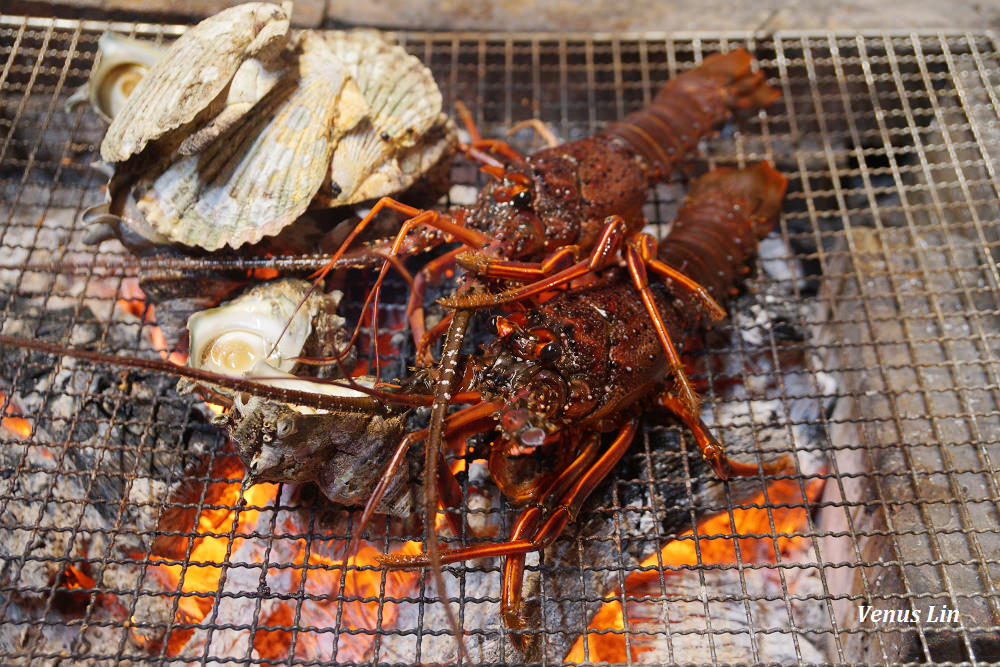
[867, 344]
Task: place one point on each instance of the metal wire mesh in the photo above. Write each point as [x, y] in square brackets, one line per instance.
[866, 346]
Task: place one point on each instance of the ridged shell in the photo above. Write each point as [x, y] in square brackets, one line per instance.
[405, 105]
[193, 73]
[387, 173]
[119, 65]
[260, 175]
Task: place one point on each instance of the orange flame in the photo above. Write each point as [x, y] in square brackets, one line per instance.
[12, 422]
[714, 542]
[77, 578]
[211, 548]
[359, 596]
[133, 301]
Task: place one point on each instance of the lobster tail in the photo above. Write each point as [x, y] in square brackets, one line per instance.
[717, 230]
[688, 107]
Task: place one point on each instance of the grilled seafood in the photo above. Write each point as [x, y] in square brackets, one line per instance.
[282, 441]
[585, 362]
[118, 67]
[553, 205]
[558, 214]
[305, 122]
[190, 83]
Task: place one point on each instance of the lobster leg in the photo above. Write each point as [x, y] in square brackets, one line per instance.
[523, 272]
[567, 508]
[711, 448]
[433, 272]
[423, 356]
[476, 141]
[540, 128]
[637, 269]
[417, 216]
[464, 422]
[511, 595]
[605, 249]
[554, 273]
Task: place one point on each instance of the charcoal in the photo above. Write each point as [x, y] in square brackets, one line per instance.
[85, 492]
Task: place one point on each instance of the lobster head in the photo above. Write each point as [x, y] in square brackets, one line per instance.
[539, 396]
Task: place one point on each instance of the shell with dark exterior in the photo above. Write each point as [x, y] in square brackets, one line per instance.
[189, 83]
[342, 451]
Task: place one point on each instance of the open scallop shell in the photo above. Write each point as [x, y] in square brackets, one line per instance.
[278, 132]
[193, 75]
[405, 132]
[261, 174]
[120, 64]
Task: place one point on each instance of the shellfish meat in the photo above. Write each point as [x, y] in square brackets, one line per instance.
[266, 325]
[340, 450]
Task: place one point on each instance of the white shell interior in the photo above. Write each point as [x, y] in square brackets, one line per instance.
[268, 374]
[232, 338]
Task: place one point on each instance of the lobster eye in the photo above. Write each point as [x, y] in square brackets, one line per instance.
[522, 199]
[549, 353]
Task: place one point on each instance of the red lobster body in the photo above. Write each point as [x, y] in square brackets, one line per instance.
[587, 361]
[562, 195]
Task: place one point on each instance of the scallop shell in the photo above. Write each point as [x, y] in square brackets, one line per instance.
[120, 64]
[262, 173]
[192, 75]
[405, 119]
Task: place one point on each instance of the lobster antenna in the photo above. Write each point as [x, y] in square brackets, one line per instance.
[249, 386]
[432, 448]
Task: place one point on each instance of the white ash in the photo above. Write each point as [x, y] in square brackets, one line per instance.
[774, 409]
[463, 195]
[707, 614]
[85, 491]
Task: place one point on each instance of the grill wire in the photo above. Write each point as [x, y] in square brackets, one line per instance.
[887, 358]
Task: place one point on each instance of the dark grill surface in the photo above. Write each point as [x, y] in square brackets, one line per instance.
[866, 347]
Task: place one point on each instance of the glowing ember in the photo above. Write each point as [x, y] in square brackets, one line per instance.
[77, 578]
[714, 543]
[307, 584]
[11, 421]
[133, 301]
